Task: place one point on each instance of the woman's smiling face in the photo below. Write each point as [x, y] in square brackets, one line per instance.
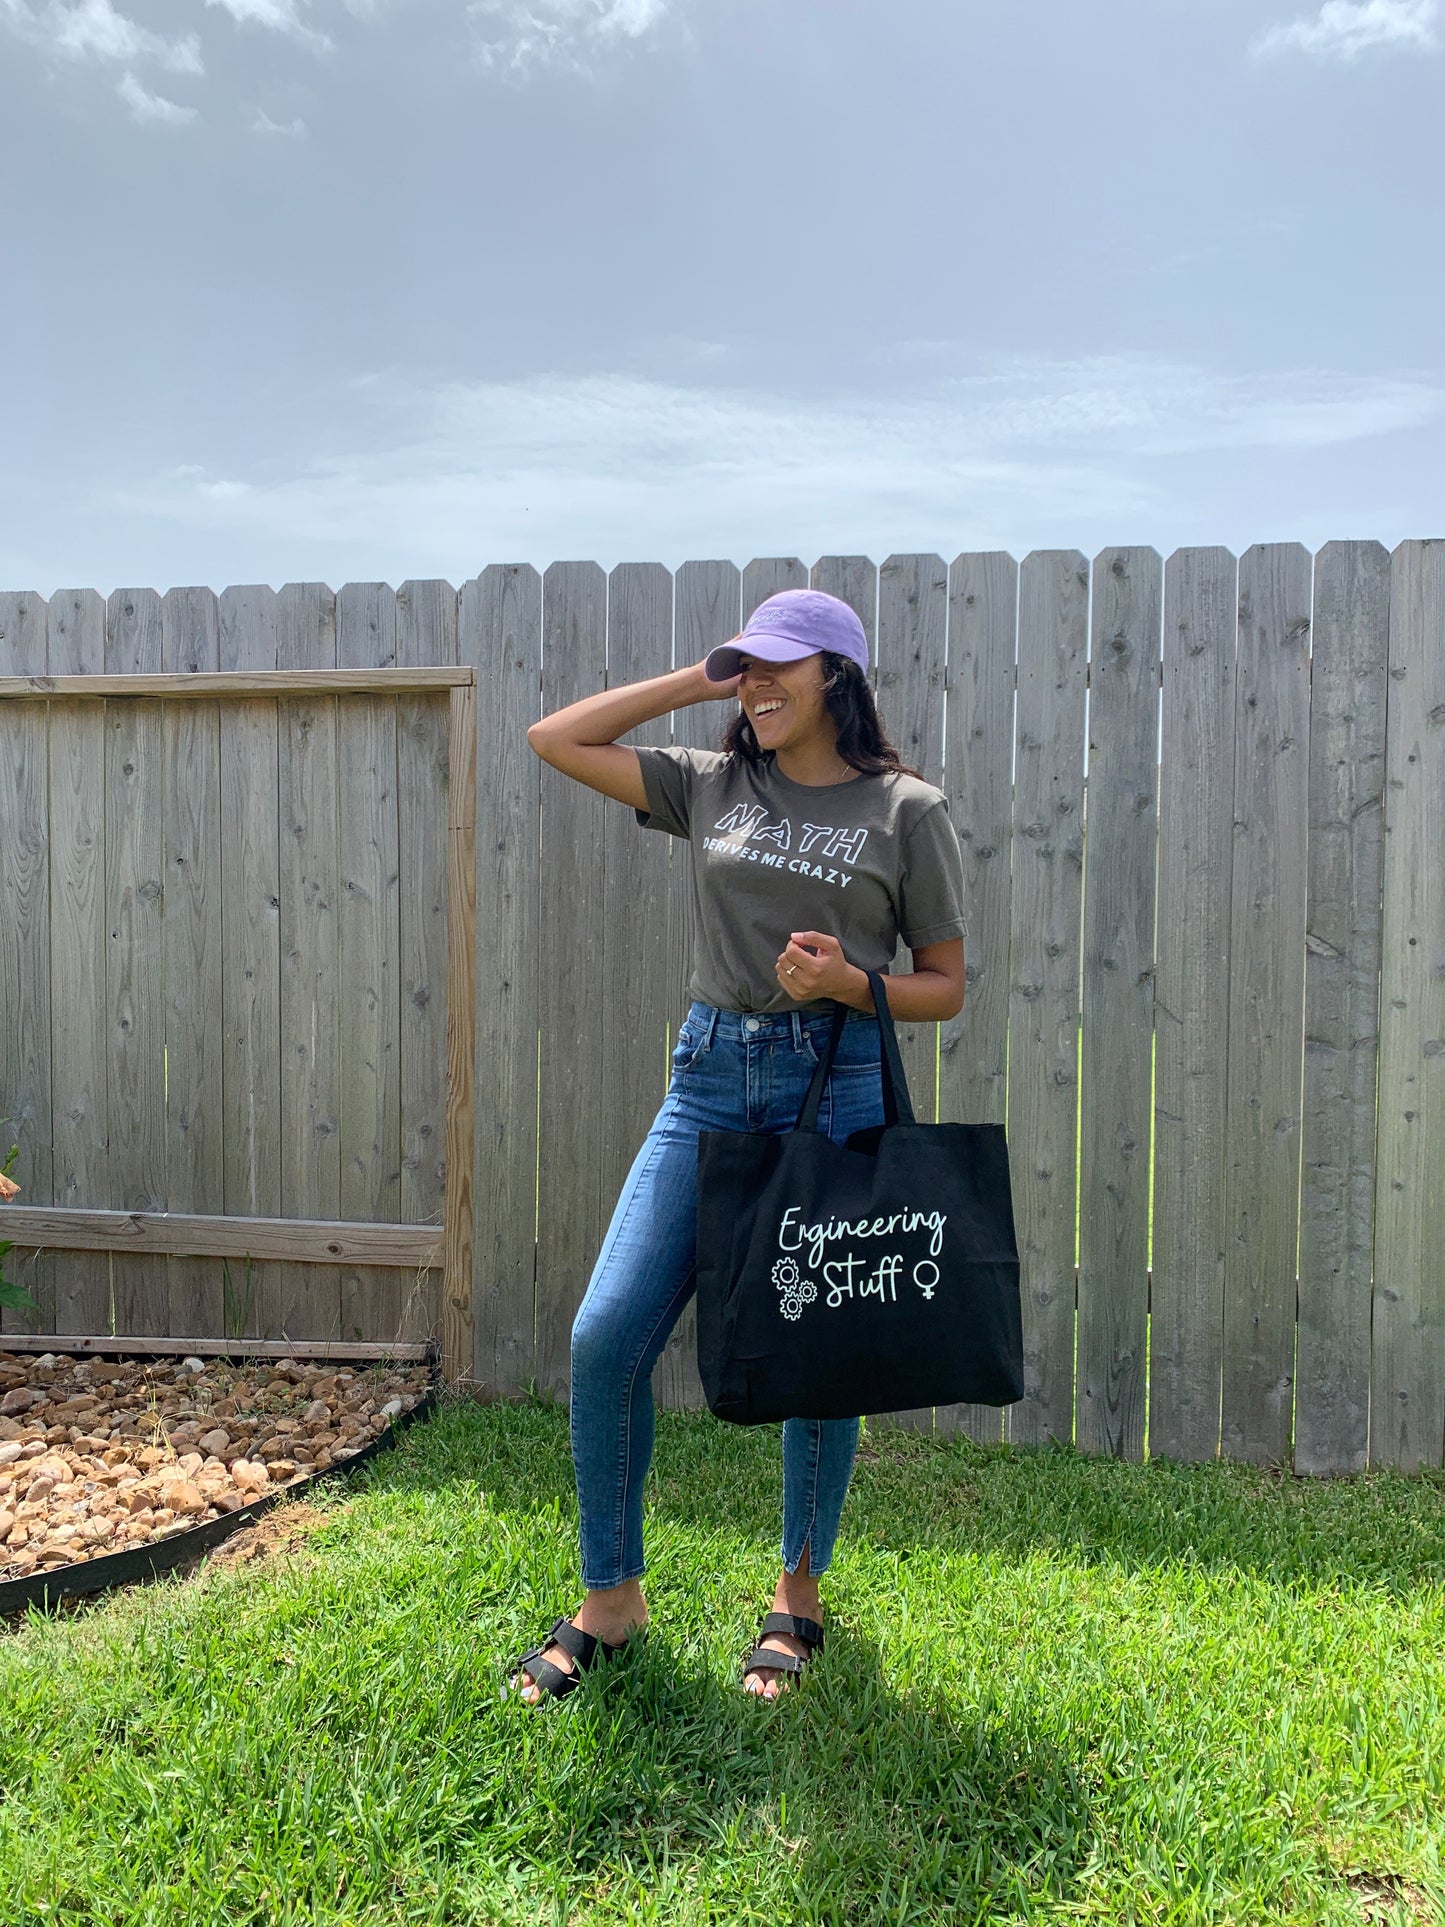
[784, 702]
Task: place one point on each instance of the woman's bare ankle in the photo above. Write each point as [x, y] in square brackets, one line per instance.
[797, 1592]
[613, 1612]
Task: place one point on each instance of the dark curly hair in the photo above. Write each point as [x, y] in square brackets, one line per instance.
[862, 741]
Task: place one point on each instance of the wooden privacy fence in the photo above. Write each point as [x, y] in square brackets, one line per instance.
[1200, 805]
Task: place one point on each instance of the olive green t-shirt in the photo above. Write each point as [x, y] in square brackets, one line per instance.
[867, 861]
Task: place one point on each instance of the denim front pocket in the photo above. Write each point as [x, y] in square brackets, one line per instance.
[691, 1042]
[858, 1047]
[859, 1050]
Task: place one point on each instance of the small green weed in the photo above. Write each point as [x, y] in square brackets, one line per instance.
[13, 1297]
[236, 1306]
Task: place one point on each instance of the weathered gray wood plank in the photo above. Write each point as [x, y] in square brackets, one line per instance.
[768, 575]
[1118, 1003]
[634, 957]
[25, 1011]
[197, 1234]
[368, 939]
[571, 1215]
[707, 604]
[191, 910]
[309, 1304]
[208, 686]
[103, 1346]
[1407, 1400]
[250, 1006]
[1266, 1000]
[854, 580]
[79, 1119]
[426, 633]
[706, 611]
[978, 781]
[911, 654]
[501, 636]
[135, 814]
[1349, 678]
[1044, 993]
[1191, 1005]
[912, 647]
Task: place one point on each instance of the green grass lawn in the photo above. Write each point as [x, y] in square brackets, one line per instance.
[1054, 1690]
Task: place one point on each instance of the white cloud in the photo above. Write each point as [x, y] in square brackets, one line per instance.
[295, 130]
[620, 464]
[518, 34]
[152, 109]
[277, 16]
[93, 30]
[1344, 29]
[1145, 406]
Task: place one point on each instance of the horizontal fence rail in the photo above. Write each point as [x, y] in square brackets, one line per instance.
[186, 1235]
[205, 687]
[1200, 803]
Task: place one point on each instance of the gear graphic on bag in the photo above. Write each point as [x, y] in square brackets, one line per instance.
[797, 1291]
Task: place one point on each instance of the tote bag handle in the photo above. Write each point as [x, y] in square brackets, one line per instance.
[897, 1105]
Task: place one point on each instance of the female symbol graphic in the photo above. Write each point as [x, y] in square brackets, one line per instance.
[926, 1285]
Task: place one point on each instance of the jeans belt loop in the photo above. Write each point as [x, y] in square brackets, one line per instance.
[712, 1018]
[797, 1017]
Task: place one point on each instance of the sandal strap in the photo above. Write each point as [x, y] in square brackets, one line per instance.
[772, 1659]
[550, 1678]
[804, 1629]
[578, 1646]
[583, 1649]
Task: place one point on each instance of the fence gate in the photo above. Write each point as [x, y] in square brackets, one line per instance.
[240, 993]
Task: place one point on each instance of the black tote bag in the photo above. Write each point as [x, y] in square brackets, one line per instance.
[873, 1276]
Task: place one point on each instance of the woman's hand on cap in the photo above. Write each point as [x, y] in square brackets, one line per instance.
[709, 691]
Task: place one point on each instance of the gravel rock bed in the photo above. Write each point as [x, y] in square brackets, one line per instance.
[100, 1455]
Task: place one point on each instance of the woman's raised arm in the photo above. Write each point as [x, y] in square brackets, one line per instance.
[581, 740]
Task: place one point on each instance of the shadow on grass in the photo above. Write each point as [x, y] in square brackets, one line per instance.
[843, 1803]
[911, 1492]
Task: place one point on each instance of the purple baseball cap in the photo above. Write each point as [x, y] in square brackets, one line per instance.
[788, 626]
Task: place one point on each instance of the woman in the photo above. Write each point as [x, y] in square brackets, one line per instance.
[814, 849]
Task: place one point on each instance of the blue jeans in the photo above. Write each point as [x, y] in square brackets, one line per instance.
[730, 1072]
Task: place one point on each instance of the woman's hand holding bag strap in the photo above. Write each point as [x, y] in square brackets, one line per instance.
[897, 1104]
[876, 1276]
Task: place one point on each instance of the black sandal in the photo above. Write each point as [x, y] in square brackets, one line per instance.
[774, 1659]
[584, 1649]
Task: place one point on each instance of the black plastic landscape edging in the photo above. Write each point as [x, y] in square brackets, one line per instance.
[147, 1562]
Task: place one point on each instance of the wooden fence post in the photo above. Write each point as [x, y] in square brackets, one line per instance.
[458, 1330]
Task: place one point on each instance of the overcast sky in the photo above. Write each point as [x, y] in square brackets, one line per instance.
[390, 288]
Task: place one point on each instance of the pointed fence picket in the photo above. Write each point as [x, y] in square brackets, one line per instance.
[1117, 1007]
[978, 781]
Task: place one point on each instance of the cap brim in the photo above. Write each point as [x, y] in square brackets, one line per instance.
[724, 662]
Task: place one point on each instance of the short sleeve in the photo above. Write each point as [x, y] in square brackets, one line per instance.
[930, 889]
[668, 776]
